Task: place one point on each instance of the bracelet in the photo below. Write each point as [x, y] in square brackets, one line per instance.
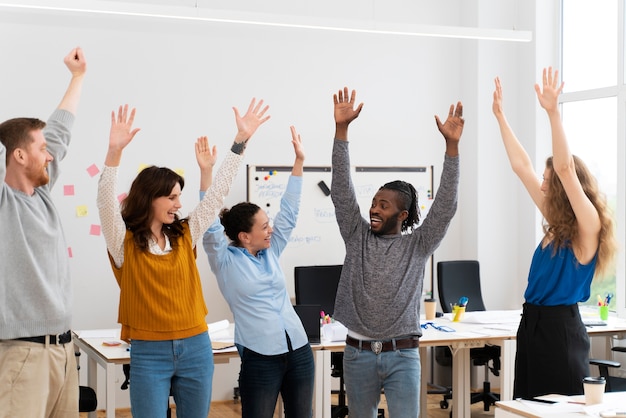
[238, 147]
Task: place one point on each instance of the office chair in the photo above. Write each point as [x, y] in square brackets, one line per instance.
[318, 285]
[454, 280]
[613, 383]
[87, 399]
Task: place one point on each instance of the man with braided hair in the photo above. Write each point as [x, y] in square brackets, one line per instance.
[378, 298]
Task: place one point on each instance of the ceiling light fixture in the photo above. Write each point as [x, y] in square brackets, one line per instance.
[399, 29]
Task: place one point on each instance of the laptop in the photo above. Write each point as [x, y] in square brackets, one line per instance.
[310, 317]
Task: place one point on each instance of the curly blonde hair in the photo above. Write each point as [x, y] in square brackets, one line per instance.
[560, 221]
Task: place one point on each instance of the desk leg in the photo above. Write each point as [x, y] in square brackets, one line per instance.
[322, 387]
[460, 382]
[92, 380]
[424, 382]
[110, 390]
[507, 374]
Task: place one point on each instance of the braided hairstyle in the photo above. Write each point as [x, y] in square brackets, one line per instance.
[407, 199]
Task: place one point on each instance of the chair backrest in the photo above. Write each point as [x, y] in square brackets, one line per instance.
[456, 279]
[317, 285]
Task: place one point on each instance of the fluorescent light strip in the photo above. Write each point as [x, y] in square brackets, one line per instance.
[458, 32]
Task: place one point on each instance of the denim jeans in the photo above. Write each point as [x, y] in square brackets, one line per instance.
[367, 373]
[262, 378]
[185, 366]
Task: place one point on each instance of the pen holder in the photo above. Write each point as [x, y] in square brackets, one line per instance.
[604, 312]
[457, 313]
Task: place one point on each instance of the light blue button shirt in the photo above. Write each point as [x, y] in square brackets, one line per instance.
[254, 287]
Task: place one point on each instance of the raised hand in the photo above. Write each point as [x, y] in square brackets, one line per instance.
[249, 123]
[496, 107]
[297, 143]
[548, 96]
[206, 156]
[75, 62]
[344, 107]
[452, 128]
[122, 131]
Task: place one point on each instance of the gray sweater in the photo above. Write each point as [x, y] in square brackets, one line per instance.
[35, 287]
[382, 277]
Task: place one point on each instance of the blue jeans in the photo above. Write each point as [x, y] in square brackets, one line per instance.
[367, 373]
[262, 378]
[185, 366]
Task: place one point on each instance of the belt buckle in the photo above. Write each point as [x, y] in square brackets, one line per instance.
[377, 346]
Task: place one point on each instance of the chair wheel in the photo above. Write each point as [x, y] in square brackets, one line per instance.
[444, 404]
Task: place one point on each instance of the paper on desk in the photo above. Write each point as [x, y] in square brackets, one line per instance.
[99, 333]
[334, 331]
[493, 317]
[558, 408]
[218, 326]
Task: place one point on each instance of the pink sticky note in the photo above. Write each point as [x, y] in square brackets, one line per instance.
[93, 170]
[121, 197]
[94, 230]
[68, 190]
[69, 252]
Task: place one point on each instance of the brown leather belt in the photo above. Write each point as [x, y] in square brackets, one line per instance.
[64, 338]
[380, 346]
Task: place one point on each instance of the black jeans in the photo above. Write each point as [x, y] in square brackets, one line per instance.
[262, 378]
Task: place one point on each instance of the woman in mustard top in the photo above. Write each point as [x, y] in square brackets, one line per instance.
[153, 257]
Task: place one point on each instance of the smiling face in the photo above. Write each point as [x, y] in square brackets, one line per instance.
[164, 208]
[36, 158]
[385, 214]
[259, 237]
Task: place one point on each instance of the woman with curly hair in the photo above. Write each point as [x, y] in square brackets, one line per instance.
[578, 244]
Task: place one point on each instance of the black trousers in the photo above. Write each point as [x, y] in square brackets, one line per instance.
[552, 352]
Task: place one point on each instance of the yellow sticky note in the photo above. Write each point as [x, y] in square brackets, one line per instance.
[81, 211]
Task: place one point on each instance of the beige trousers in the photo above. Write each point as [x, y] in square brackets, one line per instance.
[38, 380]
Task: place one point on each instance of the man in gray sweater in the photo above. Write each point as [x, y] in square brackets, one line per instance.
[378, 298]
[38, 373]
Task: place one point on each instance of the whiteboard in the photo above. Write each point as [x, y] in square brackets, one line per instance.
[316, 239]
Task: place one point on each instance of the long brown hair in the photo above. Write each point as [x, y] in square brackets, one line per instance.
[151, 183]
[560, 221]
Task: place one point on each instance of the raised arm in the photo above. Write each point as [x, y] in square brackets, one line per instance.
[206, 156]
[298, 165]
[76, 63]
[518, 157]
[113, 226]
[587, 216]
[345, 112]
[203, 215]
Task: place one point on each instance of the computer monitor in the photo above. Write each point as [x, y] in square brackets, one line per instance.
[310, 318]
[317, 285]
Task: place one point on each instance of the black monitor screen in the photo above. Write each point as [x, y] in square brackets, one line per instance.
[317, 285]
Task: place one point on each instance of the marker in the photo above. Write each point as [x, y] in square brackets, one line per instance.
[463, 301]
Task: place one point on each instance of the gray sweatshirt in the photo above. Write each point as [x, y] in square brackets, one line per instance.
[35, 287]
[382, 277]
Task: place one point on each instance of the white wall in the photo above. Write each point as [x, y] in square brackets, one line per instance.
[184, 77]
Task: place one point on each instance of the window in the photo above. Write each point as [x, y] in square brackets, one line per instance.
[591, 98]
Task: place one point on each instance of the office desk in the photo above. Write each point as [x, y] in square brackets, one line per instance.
[91, 342]
[476, 330]
[612, 401]
[490, 327]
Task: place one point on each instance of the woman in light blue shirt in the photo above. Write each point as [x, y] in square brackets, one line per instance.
[275, 353]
